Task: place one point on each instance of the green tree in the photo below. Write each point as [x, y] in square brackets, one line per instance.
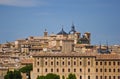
[71, 76]
[52, 76]
[13, 75]
[41, 77]
[63, 77]
[17, 75]
[27, 70]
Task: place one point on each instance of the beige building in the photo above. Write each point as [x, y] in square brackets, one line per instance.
[84, 66]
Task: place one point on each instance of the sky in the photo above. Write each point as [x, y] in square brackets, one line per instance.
[23, 18]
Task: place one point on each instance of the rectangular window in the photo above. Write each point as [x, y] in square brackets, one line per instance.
[68, 70]
[109, 63]
[109, 77]
[113, 77]
[100, 77]
[46, 70]
[96, 63]
[100, 70]
[88, 77]
[96, 77]
[105, 77]
[37, 70]
[63, 70]
[74, 70]
[74, 63]
[100, 63]
[51, 70]
[114, 63]
[105, 63]
[96, 70]
[88, 70]
[80, 77]
[80, 70]
[68, 62]
[57, 70]
[88, 62]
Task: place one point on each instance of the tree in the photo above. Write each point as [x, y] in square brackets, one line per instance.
[41, 77]
[52, 76]
[13, 75]
[63, 77]
[71, 76]
[17, 75]
[27, 70]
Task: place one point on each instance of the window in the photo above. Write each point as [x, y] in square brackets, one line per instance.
[51, 63]
[63, 63]
[68, 70]
[105, 63]
[80, 77]
[118, 63]
[113, 70]
[100, 63]
[105, 77]
[37, 70]
[118, 70]
[100, 77]
[74, 70]
[118, 77]
[80, 63]
[57, 63]
[80, 70]
[57, 70]
[46, 70]
[114, 63]
[100, 70]
[88, 62]
[96, 63]
[109, 70]
[88, 77]
[113, 77]
[105, 70]
[96, 77]
[88, 70]
[68, 62]
[109, 63]
[63, 70]
[38, 63]
[109, 77]
[51, 57]
[45, 63]
[74, 63]
[96, 70]
[51, 70]
[46, 58]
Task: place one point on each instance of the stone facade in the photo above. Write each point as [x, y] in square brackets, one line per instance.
[84, 66]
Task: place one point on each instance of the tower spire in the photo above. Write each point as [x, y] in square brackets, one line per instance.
[72, 29]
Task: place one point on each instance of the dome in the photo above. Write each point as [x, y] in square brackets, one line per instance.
[62, 32]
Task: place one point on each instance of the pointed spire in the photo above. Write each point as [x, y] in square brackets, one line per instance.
[72, 29]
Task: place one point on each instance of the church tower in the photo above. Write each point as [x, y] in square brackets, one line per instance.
[72, 31]
[45, 33]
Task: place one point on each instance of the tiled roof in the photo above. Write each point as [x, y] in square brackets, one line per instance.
[63, 54]
[107, 56]
[27, 61]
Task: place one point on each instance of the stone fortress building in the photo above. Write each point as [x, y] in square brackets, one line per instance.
[62, 53]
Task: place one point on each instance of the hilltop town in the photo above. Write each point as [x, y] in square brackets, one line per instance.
[61, 53]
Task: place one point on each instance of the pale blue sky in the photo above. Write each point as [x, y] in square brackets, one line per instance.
[24, 18]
